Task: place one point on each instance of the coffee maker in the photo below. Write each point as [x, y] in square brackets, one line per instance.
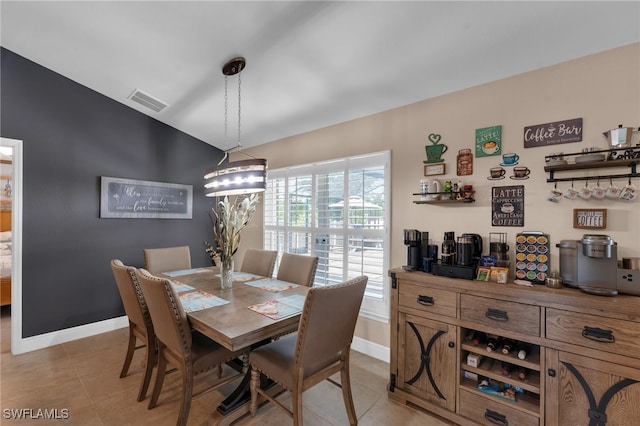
[591, 264]
[468, 250]
[416, 242]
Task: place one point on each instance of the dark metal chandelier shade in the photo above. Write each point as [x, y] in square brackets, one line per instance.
[235, 177]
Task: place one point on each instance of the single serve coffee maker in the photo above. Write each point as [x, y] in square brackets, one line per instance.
[416, 242]
[591, 264]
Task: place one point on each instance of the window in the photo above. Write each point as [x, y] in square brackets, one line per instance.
[336, 210]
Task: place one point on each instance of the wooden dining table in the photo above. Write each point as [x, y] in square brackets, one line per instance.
[234, 325]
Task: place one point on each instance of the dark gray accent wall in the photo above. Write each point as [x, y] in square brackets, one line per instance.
[73, 135]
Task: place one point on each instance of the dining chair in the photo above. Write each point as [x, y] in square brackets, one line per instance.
[140, 325]
[319, 349]
[259, 262]
[189, 351]
[297, 268]
[158, 260]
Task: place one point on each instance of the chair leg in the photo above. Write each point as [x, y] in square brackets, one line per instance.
[150, 361]
[130, 350]
[160, 373]
[187, 393]
[296, 404]
[346, 392]
[255, 383]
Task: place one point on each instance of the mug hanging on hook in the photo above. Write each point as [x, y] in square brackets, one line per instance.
[585, 192]
[554, 195]
[613, 192]
[598, 192]
[629, 192]
[571, 193]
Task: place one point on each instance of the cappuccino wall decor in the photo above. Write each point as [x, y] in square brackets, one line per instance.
[507, 205]
[488, 141]
[435, 150]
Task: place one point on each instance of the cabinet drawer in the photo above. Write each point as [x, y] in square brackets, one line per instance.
[441, 302]
[606, 334]
[488, 412]
[512, 316]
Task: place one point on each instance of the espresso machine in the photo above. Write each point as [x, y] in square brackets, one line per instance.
[416, 242]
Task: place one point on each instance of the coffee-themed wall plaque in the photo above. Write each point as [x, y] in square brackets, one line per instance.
[435, 150]
[434, 169]
[590, 218]
[554, 133]
[507, 205]
[488, 141]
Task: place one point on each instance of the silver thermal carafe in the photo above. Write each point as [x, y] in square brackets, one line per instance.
[591, 264]
[416, 242]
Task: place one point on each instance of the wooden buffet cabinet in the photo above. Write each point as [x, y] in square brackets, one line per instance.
[583, 367]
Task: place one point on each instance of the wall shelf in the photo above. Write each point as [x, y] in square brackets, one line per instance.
[468, 197]
[618, 157]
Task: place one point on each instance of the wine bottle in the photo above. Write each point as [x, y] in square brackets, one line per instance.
[469, 336]
[506, 368]
[522, 373]
[479, 338]
[493, 342]
[523, 349]
[508, 345]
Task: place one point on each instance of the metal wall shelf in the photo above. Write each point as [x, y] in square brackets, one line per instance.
[453, 194]
[617, 157]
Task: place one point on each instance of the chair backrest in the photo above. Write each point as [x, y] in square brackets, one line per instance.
[298, 269]
[327, 323]
[259, 262]
[158, 260]
[133, 300]
[169, 319]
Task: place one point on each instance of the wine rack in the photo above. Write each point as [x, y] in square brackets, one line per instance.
[490, 367]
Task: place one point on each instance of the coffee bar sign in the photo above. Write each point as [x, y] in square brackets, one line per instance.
[128, 198]
[553, 133]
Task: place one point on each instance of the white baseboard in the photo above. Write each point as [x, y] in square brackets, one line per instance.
[374, 350]
[41, 341]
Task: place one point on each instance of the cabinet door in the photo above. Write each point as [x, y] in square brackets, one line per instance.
[584, 391]
[427, 359]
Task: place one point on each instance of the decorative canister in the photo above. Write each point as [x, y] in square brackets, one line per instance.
[464, 162]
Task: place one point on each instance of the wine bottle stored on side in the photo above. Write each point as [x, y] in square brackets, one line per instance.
[523, 350]
[493, 342]
[508, 345]
[478, 338]
[522, 373]
[506, 368]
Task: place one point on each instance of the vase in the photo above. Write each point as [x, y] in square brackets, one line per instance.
[226, 272]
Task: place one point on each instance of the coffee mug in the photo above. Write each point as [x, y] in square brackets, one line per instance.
[555, 156]
[598, 192]
[497, 172]
[433, 187]
[585, 193]
[554, 196]
[571, 193]
[510, 159]
[507, 208]
[629, 192]
[613, 191]
[521, 172]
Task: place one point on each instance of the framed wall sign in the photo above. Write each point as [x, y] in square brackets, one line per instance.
[128, 198]
[488, 141]
[507, 205]
[590, 218]
[434, 169]
[553, 133]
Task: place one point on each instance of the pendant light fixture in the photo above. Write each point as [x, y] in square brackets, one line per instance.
[236, 177]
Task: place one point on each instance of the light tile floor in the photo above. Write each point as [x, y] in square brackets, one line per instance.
[83, 377]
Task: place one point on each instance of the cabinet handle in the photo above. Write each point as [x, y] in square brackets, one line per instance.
[496, 418]
[598, 334]
[426, 300]
[497, 315]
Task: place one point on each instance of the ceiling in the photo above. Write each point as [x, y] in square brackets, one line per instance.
[309, 64]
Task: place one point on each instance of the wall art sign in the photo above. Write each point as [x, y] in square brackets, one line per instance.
[590, 218]
[507, 205]
[127, 198]
[488, 141]
[555, 133]
[434, 169]
[435, 150]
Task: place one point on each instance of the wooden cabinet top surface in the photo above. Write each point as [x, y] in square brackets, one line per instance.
[622, 306]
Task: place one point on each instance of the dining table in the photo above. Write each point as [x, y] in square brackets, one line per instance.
[251, 313]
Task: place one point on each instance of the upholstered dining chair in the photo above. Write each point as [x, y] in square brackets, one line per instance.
[298, 269]
[320, 348]
[158, 260]
[140, 325]
[259, 262]
[189, 351]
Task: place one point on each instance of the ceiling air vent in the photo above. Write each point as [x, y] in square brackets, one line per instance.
[147, 100]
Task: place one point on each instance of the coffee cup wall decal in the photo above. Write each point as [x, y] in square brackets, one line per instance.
[435, 150]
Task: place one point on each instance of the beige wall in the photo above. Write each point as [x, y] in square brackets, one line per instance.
[603, 89]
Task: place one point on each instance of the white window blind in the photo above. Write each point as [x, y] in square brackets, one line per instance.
[336, 210]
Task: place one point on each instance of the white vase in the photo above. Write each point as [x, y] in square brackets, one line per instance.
[226, 272]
